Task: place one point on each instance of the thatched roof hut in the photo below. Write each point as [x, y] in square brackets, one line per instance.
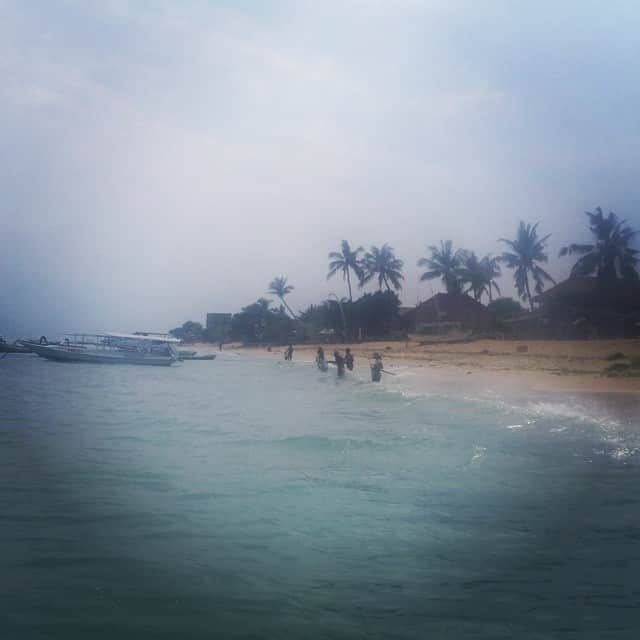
[602, 308]
[445, 311]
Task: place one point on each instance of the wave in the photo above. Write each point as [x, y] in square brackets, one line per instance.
[594, 427]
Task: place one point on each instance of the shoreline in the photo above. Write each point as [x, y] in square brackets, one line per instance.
[520, 366]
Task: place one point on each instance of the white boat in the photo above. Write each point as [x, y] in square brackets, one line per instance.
[110, 348]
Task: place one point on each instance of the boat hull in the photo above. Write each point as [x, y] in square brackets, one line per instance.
[13, 348]
[67, 354]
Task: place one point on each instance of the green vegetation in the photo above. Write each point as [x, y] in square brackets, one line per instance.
[383, 263]
[346, 261]
[630, 369]
[460, 269]
[479, 274]
[373, 314]
[280, 288]
[258, 323]
[527, 253]
[462, 272]
[190, 331]
[617, 368]
[611, 256]
[445, 264]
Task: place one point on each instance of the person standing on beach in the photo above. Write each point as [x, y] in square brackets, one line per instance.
[288, 354]
[348, 359]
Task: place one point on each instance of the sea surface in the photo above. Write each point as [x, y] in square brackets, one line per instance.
[258, 499]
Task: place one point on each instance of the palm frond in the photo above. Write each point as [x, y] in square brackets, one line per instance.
[580, 249]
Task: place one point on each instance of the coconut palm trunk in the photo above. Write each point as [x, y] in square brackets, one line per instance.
[526, 284]
[287, 307]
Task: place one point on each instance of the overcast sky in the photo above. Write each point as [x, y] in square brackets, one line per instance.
[159, 160]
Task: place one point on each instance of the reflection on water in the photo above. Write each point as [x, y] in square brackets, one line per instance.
[240, 499]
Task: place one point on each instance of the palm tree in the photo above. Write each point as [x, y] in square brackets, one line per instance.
[346, 261]
[280, 288]
[262, 307]
[472, 273]
[479, 274]
[527, 251]
[492, 270]
[443, 263]
[383, 263]
[611, 256]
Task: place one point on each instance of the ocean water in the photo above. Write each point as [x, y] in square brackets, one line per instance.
[258, 499]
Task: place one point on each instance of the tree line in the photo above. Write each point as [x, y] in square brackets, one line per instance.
[610, 255]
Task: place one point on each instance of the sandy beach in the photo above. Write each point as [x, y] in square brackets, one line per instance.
[568, 366]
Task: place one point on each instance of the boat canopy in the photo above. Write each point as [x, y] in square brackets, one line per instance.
[153, 337]
[126, 336]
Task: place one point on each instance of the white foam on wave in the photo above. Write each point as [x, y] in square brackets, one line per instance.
[558, 415]
[575, 410]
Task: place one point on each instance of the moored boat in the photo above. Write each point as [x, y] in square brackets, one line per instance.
[109, 348]
[13, 347]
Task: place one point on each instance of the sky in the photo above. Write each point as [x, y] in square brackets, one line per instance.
[160, 160]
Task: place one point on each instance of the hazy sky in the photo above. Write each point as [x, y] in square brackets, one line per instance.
[159, 160]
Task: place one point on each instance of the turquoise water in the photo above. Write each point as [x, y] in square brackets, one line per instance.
[242, 499]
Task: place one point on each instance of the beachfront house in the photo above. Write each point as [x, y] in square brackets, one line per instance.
[584, 307]
[448, 313]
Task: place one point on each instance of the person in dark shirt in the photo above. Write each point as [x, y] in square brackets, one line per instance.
[348, 359]
[339, 360]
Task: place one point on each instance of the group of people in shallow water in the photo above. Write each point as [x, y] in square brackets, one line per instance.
[346, 361]
[342, 362]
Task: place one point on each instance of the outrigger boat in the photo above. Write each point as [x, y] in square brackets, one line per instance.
[109, 348]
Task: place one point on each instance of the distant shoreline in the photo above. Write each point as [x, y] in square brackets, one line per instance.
[536, 366]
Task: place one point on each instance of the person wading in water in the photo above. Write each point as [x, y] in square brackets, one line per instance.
[377, 367]
[339, 361]
[348, 359]
[320, 361]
